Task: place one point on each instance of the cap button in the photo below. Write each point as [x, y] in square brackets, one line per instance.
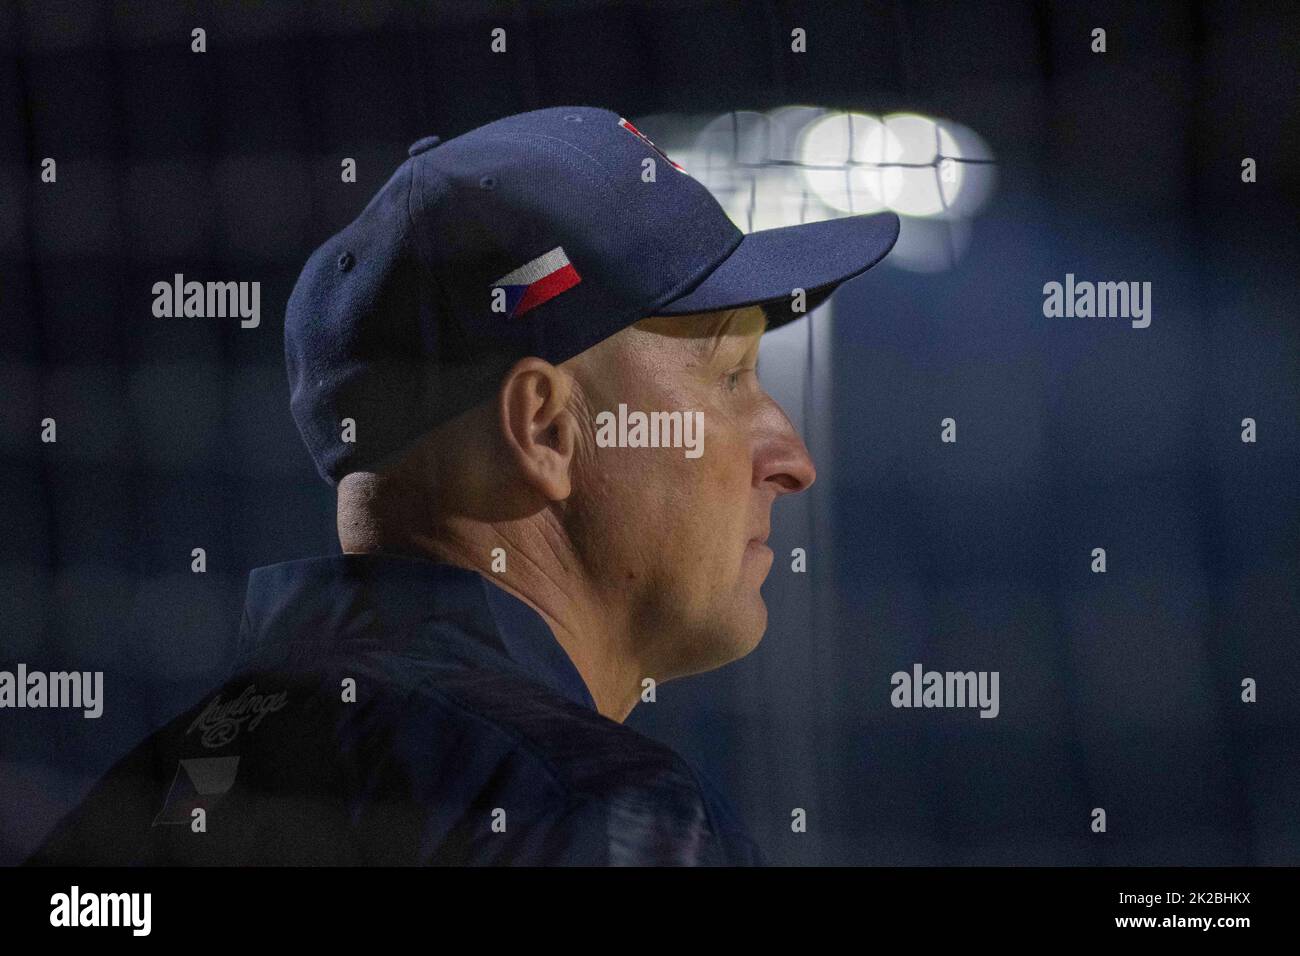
[423, 145]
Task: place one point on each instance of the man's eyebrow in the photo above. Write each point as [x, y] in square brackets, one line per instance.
[725, 321]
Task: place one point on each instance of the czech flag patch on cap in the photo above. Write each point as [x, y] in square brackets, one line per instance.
[537, 281]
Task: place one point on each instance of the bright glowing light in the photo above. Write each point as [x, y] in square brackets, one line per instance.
[739, 157]
[908, 163]
[801, 164]
[831, 149]
[932, 178]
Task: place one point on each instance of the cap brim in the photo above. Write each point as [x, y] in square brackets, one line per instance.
[767, 266]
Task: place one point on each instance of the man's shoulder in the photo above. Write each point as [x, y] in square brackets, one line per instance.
[439, 768]
[653, 804]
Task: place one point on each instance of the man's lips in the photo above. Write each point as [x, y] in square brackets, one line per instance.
[756, 548]
[758, 557]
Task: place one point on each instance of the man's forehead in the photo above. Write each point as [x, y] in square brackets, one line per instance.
[744, 321]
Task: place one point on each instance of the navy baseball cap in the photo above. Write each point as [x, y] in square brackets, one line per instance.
[535, 235]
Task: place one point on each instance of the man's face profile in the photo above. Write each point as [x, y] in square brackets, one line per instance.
[685, 538]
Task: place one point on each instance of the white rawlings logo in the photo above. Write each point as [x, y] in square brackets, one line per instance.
[221, 723]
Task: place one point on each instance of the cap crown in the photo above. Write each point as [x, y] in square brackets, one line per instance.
[536, 235]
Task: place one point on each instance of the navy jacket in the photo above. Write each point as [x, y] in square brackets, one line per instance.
[391, 710]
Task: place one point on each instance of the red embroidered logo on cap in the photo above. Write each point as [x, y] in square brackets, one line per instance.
[646, 139]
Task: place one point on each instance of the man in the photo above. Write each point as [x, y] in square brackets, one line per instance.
[521, 551]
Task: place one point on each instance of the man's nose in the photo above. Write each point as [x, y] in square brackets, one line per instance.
[782, 460]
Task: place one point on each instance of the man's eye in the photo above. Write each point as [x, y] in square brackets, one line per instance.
[733, 378]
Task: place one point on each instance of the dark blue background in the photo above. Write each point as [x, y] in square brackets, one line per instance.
[1118, 691]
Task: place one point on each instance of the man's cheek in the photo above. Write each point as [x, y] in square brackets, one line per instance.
[723, 506]
[725, 460]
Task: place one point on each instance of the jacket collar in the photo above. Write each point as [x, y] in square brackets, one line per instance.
[384, 597]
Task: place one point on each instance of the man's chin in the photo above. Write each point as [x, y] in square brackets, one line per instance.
[746, 632]
[748, 647]
[721, 646]
[759, 627]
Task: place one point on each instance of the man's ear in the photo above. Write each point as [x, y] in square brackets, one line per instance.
[540, 433]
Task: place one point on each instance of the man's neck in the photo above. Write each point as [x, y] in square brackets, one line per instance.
[544, 572]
